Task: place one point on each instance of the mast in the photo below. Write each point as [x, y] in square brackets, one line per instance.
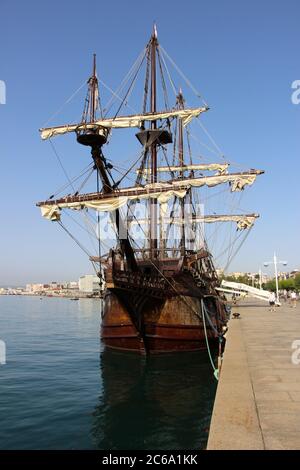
[153, 202]
[89, 135]
[93, 138]
[180, 103]
[94, 83]
[97, 149]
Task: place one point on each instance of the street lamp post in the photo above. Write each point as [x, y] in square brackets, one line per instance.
[260, 278]
[276, 262]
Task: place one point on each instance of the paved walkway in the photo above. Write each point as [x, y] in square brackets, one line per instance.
[257, 404]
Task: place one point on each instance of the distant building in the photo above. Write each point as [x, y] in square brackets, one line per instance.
[55, 285]
[71, 285]
[219, 272]
[282, 276]
[265, 278]
[34, 288]
[89, 284]
[237, 275]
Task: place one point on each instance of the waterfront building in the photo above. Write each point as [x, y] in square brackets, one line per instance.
[34, 288]
[293, 273]
[89, 284]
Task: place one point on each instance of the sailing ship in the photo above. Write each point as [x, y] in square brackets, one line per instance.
[160, 295]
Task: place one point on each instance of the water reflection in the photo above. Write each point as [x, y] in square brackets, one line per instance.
[158, 402]
[88, 307]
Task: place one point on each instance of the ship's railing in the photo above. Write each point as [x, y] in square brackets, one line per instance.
[153, 285]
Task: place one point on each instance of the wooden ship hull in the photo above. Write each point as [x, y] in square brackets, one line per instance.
[163, 317]
[174, 331]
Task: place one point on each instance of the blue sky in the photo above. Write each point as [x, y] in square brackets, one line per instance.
[242, 56]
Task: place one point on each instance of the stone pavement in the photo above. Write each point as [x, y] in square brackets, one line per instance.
[257, 403]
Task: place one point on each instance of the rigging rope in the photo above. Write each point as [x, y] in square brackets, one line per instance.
[163, 80]
[62, 188]
[61, 164]
[187, 81]
[238, 248]
[74, 238]
[80, 246]
[66, 102]
[123, 83]
[146, 86]
[77, 223]
[168, 73]
[210, 138]
[85, 180]
[99, 240]
[116, 96]
[130, 87]
[204, 145]
[130, 169]
[228, 246]
[85, 221]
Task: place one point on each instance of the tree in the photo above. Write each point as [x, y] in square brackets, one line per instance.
[270, 285]
[288, 284]
[297, 281]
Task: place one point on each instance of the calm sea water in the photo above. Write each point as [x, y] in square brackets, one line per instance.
[60, 390]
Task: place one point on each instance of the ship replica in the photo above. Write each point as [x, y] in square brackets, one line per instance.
[161, 296]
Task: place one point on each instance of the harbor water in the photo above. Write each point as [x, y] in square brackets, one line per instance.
[61, 390]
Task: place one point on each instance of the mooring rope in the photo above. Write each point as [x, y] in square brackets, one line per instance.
[216, 371]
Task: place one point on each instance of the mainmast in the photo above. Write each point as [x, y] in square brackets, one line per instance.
[153, 202]
[94, 88]
[180, 103]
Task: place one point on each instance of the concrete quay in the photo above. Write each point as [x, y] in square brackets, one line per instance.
[257, 404]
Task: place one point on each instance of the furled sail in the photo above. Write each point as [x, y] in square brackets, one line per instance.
[52, 212]
[219, 167]
[186, 115]
[237, 182]
[102, 202]
[243, 221]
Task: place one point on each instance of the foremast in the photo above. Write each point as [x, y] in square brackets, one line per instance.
[93, 138]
